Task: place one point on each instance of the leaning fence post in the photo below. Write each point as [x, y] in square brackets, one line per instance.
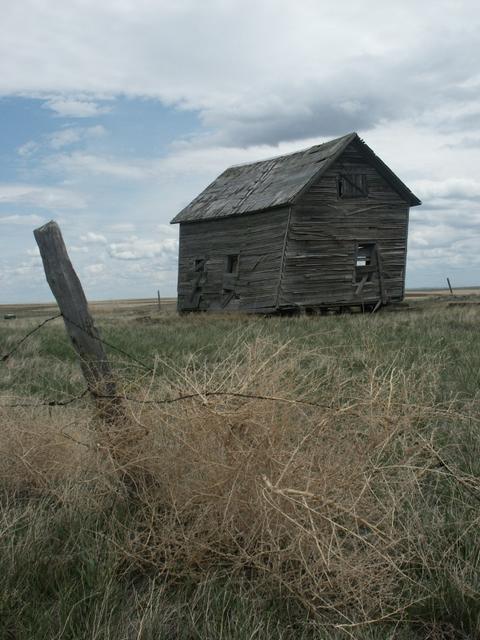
[68, 292]
[450, 287]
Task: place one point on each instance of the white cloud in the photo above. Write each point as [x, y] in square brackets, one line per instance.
[70, 135]
[64, 138]
[95, 269]
[93, 238]
[28, 149]
[26, 270]
[141, 249]
[41, 196]
[297, 70]
[462, 253]
[76, 108]
[79, 163]
[297, 74]
[122, 227]
[61, 138]
[439, 235]
[27, 220]
[457, 188]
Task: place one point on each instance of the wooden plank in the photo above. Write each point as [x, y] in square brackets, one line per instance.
[85, 337]
[325, 230]
[258, 239]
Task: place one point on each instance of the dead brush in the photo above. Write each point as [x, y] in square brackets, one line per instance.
[40, 450]
[280, 468]
[299, 483]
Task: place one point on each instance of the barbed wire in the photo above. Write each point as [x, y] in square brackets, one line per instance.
[107, 343]
[46, 403]
[5, 357]
[64, 403]
[137, 400]
[160, 401]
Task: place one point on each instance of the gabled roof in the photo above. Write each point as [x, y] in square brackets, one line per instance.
[278, 182]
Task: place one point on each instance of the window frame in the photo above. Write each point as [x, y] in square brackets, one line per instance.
[232, 262]
[199, 264]
[355, 191]
[371, 262]
[230, 274]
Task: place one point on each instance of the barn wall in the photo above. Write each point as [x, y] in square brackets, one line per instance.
[323, 236]
[259, 241]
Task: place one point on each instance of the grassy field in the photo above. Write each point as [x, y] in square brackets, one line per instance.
[322, 482]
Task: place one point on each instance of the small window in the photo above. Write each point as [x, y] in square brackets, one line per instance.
[365, 262]
[230, 275]
[232, 264]
[199, 264]
[352, 185]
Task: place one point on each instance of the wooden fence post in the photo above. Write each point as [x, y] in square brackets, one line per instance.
[450, 287]
[68, 292]
[159, 300]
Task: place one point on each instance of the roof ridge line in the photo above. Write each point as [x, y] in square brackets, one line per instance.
[292, 153]
[280, 181]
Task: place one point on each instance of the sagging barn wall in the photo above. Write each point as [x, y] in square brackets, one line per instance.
[263, 236]
[326, 232]
[232, 263]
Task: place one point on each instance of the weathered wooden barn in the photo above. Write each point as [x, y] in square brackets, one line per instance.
[322, 228]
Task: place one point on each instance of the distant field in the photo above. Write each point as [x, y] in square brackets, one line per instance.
[124, 307]
[460, 291]
[321, 481]
[148, 305]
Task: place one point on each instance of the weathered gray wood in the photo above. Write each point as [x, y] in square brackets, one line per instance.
[361, 284]
[302, 254]
[450, 286]
[284, 253]
[381, 277]
[326, 229]
[279, 182]
[68, 292]
[257, 239]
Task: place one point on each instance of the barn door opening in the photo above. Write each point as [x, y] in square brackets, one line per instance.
[368, 273]
[364, 276]
[230, 278]
[198, 280]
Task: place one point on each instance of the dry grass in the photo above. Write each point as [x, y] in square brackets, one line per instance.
[333, 491]
[313, 493]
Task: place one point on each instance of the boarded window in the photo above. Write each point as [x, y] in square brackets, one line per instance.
[197, 280]
[352, 185]
[232, 264]
[231, 273]
[365, 262]
[199, 264]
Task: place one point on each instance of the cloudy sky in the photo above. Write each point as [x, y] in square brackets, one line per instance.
[115, 114]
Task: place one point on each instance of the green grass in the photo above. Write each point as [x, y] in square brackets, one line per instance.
[84, 555]
[47, 362]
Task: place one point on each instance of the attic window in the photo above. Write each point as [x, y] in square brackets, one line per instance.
[352, 185]
[365, 262]
[232, 264]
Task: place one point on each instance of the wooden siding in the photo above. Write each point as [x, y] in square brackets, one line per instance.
[258, 239]
[325, 230]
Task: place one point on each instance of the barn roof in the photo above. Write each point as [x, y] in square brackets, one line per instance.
[277, 182]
